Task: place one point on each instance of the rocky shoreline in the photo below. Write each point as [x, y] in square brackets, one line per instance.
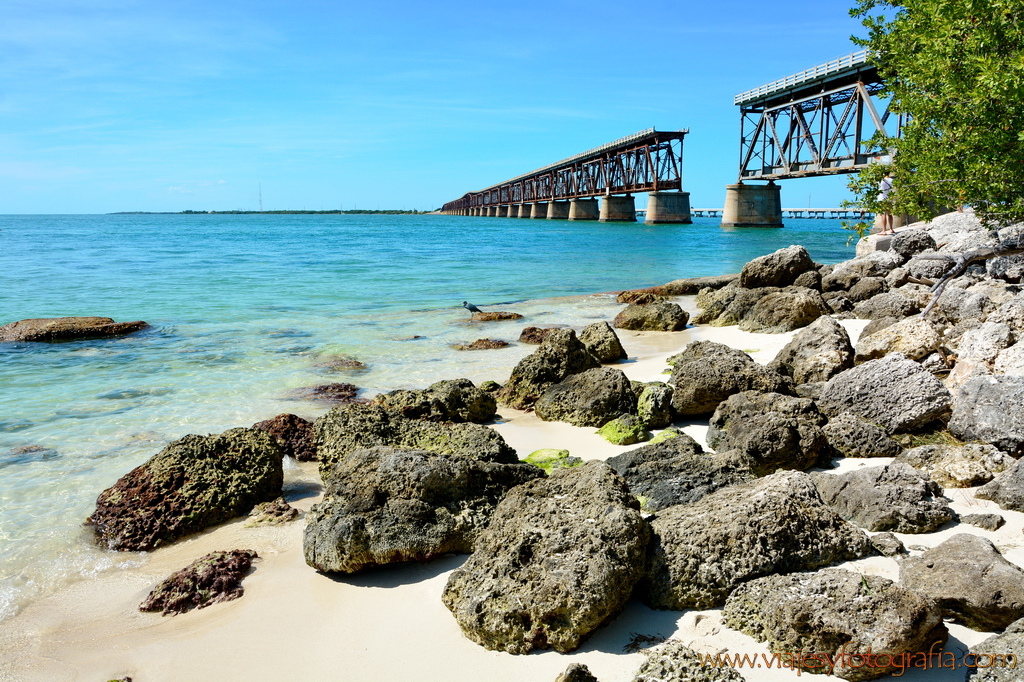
[826, 494]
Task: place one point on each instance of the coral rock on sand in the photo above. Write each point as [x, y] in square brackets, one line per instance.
[816, 353]
[888, 544]
[730, 305]
[534, 335]
[639, 297]
[214, 578]
[895, 498]
[337, 393]
[778, 269]
[577, 672]
[348, 427]
[387, 505]
[673, 661]
[654, 405]
[914, 337]
[971, 581]
[192, 484]
[706, 373]
[774, 431]
[784, 311]
[272, 513]
[67, 328]
[294, 435]
[455, 400]
[1007, 489]
[591, 398]
[558, 560]
[560, 355]
[989, 522]
[832, 611]
[963, 466]
[657, 317]
[602, 342]
[626, 429]
[991, 409]
[851, 436]
[893, 392]
[987, 653]
[690, 286]
[677, 471]
[702, 551]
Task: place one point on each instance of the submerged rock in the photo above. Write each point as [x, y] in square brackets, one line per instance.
[294, 435]
[387, 505]
[808, 616]
[560, 355]
[216, 577]
[67, 328]
[482, 344]
[706, 373]
[456, 400]
[495, 315]
[602, 342]
[591, 398]
[336, 393]
[558, 560]
[657, 317]
[194, 483]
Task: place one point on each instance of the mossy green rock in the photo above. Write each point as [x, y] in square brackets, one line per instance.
[625, 430]
[550, 459]
[670, 432]
[194, 483]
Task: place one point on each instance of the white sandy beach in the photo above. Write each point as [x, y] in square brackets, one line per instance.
[296, 624]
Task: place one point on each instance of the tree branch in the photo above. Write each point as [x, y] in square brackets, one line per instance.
[963, 261]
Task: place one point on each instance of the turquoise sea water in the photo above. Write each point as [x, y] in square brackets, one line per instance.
[247, 310]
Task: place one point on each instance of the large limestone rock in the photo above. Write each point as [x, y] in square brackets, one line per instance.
[813, 615]
[662, 316]
[782, 312]
[774, 431]
[991, 658]
[677, 471]
[985, 342]
[294, 435]
[915, 337]
[1007, 489]
[1010, 360]
[909, 243]
[348, 427]
[893, 498]
[851, 436]
[816, 353]
[893, 392]
[991, 409]
[192, 484]
[654, 405]
[778, 524]
[963, 466]
[673, 661]
[590, 398]
[559, 559]
[970, 579]
[456, 400]
[892, 304]
[706, 373]
[602, 342]
[690, 286]
[387, 505]
[778, 269]
[1010, 313]
[560, 355]
[67, 328]
[576, 672]
[728, 306]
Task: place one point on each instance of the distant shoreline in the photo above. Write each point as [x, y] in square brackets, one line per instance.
[359, 211]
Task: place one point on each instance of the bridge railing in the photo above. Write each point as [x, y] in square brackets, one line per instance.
[814, 73]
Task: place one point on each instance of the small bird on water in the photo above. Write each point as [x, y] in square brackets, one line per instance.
[470, 307]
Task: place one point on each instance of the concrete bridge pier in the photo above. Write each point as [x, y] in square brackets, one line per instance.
[668, 207]
[583, 209]
[492, 211]
[752, 205]
[502, 211]
[539, 210]
[524, 210]
[618, 209]
[558, 210]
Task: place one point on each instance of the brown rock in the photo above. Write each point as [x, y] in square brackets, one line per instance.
[293, 435]
[534, 335]
[496, 315]
[481, 344]
[210, 579]
[67, 328]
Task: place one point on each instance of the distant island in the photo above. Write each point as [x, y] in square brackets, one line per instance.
[354, 211]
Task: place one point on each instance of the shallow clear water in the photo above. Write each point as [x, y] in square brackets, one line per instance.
[247, 309]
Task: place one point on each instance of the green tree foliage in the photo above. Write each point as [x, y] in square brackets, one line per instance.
[956, 67]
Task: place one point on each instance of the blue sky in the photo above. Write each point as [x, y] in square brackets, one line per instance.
[111, 105]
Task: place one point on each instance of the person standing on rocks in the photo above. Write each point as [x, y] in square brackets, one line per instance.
[884, 189]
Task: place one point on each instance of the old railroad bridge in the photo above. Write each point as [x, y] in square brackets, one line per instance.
[809, 124]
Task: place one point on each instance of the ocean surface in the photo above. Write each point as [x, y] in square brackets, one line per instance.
[247, 311]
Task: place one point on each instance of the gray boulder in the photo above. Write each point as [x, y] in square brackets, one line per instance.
[560, 355]
[387, 505]
[576, 672]
[915, 337]
[67, 328]
[835, 611]
[809, 280]
[816, 353]
[998, 658]
[348, 427]
[911, 242]
[591, 398]
[1010, 313]
[701, 552]
[893, 498]
[726, 307]
[774, 431]
[1006, 489]
[690, 286]
[778, 269]
[1010, 360]
[891, 304]
[893, 392]
[991, 409]
[558, 560]
[706, 373]
[927, 268]
[784, 311]
[963, 466]
[983, 343]
[989, 522]
[654, 405]
[602, 342]
[867, 287]
[673, 661]
[457, 400]
[677, 471]
[888, 544]
[662, 316]
[971, 581]
[851, 436]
